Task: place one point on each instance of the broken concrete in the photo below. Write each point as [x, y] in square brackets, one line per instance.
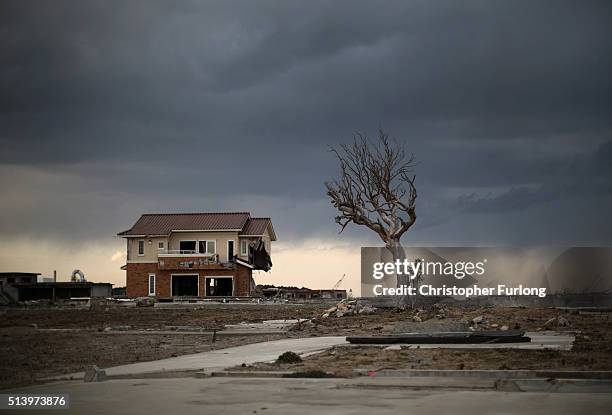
[94, 374]
[348, 308]
[145, 302]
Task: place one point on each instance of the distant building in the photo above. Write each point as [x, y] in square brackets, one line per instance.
[295, 293]
[17, 277]
[119, 292]
[61, 290]
[24, 286]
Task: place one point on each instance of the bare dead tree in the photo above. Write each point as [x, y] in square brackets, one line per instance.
[376, 189]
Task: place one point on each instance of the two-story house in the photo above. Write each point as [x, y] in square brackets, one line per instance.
[196, 254]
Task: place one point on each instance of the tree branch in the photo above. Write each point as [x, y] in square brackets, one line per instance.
[375, 188]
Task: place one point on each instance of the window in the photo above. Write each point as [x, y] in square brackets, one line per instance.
[151, 284]
[160, 245]
[141, 247]
[219, 286]
[244, 247]
[208, 247]
[230, 250]
[187, 247]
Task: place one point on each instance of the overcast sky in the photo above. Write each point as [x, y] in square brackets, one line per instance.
[112, 109]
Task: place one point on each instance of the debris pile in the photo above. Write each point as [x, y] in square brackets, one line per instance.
[348, 308]
[558, 321]
[441, 311]
[480, 323]
[94, 374]
[438, 311]
[418, 317]
[145, 302]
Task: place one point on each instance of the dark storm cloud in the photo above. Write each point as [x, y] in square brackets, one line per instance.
[109, 109]
[580, 178]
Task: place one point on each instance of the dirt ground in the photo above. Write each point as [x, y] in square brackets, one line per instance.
[29, 351]
[206, 316]
[592, 349]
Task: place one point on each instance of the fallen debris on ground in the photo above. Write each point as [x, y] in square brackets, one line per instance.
[348, 308]
[515, 336]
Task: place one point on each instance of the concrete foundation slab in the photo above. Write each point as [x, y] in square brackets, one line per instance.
[313, 396]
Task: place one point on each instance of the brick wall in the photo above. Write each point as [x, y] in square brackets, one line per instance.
[138, 279]
[242, 281]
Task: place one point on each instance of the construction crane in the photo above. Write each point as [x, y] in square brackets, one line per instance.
[336, 285]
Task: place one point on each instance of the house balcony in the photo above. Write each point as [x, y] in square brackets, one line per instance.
[185, 260]
[183, 253]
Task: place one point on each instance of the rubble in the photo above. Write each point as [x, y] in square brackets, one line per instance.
[441, 311]
[348, 308]
[367, 309]
[145, 302]
[94, 374]
[559, 320]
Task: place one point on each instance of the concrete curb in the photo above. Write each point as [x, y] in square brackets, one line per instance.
[445, 382]
[166, 374]
[490, 374]
[437, 373]
[497, 380]
[245, 374]
[555, 385]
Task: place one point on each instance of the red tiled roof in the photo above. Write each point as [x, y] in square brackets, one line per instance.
[257, 227]
[165, 223]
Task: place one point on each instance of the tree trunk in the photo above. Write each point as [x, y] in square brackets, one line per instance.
[397, 251]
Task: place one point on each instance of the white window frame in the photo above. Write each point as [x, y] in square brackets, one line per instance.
[227, 248]
[161, 245]
[206, 241]
[246, 246]
[189, 240]
[138, 247]
[151, 293]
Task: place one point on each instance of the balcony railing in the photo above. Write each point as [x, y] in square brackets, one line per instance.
[180, 252]
[193, 262]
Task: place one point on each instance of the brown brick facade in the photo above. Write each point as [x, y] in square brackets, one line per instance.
[137, 278]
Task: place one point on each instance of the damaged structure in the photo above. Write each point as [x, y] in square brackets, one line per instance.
[59, 290]
[196, 254]
[24, 286]
[295, 293]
